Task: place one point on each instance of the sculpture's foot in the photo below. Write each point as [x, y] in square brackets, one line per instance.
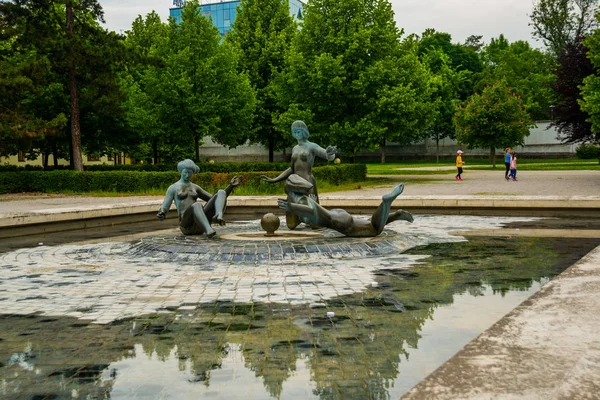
[218, 219]
[402, 215]
[211, 234]
[391, 196]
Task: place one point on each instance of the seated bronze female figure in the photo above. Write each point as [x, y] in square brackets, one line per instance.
[195, 218]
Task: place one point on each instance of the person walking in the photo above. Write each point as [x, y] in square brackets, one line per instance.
[513, 167]
[459, 165]
[507, 157]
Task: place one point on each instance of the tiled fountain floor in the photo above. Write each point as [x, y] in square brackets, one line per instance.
[107, 281]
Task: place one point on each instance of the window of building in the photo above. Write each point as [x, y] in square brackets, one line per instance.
[21, 156]
[92, 157]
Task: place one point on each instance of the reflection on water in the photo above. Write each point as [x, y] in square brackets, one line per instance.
[379, 344]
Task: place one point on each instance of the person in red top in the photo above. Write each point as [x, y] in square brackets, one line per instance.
[459, 164]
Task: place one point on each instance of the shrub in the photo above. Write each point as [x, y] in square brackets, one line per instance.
[588, 151]
[204, 167]
[140, 181]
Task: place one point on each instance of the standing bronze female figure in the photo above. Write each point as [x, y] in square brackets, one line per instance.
[194, 218]
[303, 159]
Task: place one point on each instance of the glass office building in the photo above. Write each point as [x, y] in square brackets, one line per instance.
[223, 13]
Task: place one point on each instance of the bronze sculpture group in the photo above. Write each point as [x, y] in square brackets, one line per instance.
[301, 204]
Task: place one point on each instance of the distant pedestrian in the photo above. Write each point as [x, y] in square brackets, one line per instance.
[507, 157]
[459, 165]
[513, 166]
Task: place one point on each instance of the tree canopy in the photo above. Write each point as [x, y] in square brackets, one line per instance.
[262, 33]
[558, 23]
[527, 71]
[572, 68]
[351, 77]
[495, 119]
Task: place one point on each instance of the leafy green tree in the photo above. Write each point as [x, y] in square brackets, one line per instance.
[81, 60]
[527, 71]
[590, 90]
[570, 121]
[145, 43]
[495, 118]
[24, 87]
[461, 57]
[352, 79]
[446, 82]
[263, 32]
[558, 23]
[474, 42]
[200, 85]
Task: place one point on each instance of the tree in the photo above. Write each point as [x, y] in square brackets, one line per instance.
[474, 42]
[462, 57]
[446, 83]
[263, 32]
[527, 71]
[559, 23]
[570, 121]
[24, 87]
[200, 85]
[184, 86]
[144, 114]
[495, 119]
[80, 60]
[353, 79]
[590, 90]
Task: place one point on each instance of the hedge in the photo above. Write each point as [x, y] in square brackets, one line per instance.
[204, 167]
[140, 182]
[588, 151]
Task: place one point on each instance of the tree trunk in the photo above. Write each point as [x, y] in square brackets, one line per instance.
[55, 154]
[437, 149]
[76, 158]
[197, 147]
[45, 159]
[271, 149]
[155, 151]
[493, 156]
[382, 148]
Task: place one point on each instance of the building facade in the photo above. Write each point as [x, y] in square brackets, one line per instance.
[223, 13]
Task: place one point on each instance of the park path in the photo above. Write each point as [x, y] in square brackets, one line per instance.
[492, 183]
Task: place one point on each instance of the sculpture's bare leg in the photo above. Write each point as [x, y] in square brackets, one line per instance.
[201, 219]
[215, 207]
[380, 217]
[400, 215]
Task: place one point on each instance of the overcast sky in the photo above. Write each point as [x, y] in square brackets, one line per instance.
[460, 18]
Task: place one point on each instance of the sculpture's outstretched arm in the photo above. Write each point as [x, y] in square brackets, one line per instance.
[166, 204]
[284, 175]
[235, 182]
[203, 194]
[328, 153]
[298, 209]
